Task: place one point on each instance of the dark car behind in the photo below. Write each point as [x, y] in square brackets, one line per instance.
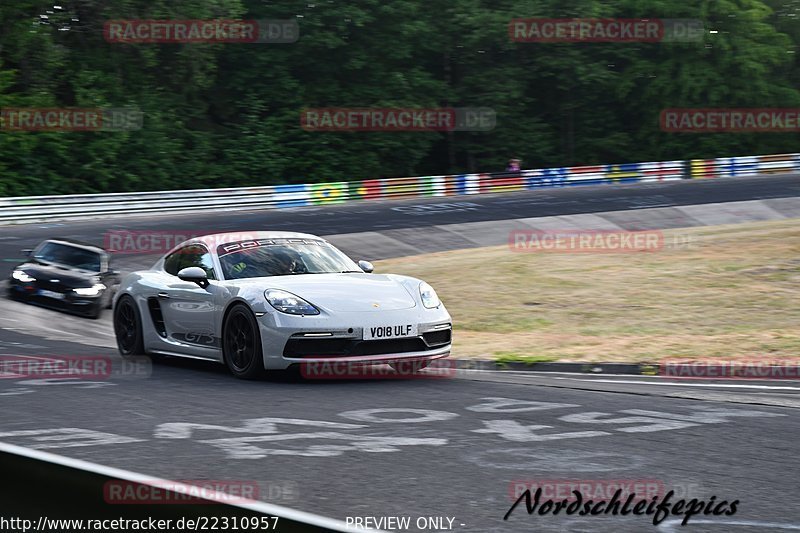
[66, 275]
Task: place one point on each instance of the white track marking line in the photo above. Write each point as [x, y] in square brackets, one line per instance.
[604, 374]
[670, 384]
[12, 375]
[42, 357]
[632, 379]
[675, 525]
[69, 334]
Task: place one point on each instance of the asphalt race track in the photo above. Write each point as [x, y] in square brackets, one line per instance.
[453, 446]
[385, 216]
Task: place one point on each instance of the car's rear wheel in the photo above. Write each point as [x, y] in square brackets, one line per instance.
[409, 367]
[128, 327]
[241, 343]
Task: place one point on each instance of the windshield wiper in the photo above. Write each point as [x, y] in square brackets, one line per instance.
[352, 272]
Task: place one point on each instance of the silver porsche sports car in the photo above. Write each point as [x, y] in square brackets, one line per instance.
[270, 300]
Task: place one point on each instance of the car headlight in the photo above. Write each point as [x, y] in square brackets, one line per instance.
[428, 295]
[20, 275]
[94, 290]
[286, 302]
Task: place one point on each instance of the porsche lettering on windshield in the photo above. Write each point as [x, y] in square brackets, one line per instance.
[232, 247]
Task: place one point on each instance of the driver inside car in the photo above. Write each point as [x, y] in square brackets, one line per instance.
[288, 262]
[255, 263]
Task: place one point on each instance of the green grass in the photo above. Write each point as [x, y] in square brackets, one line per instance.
[502, 357]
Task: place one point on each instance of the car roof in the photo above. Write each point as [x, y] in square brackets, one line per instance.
[79, 244]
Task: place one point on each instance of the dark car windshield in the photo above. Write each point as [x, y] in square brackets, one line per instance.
[281, 257]
[70, 256]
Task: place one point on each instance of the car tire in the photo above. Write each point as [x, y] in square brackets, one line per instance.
[409, 367]
[241, 343]
[128, 328]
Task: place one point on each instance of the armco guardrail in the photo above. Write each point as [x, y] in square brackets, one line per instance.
[50, 491]
[32, 208]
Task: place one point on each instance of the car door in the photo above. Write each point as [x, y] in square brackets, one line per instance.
[190, 310]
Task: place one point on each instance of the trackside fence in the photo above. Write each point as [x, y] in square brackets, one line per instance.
[65, 207]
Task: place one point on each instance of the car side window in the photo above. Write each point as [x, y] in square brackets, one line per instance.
[172, 263]
[193, 255]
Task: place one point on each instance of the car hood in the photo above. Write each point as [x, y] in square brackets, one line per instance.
[66, 277]
[341, 292]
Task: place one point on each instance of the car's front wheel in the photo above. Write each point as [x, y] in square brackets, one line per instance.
[128, 327]
[241, 343]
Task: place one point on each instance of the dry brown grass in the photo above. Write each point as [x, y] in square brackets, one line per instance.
[732, 292]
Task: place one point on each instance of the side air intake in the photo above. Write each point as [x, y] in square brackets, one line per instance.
[158, 318]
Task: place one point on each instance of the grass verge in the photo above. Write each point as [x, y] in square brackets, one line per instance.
[711, 292]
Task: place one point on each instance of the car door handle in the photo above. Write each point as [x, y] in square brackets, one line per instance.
[163, 295]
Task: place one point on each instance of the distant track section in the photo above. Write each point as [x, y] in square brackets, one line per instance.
[69, 207]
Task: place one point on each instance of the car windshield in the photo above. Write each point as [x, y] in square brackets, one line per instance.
[282, 257]
[70, 256]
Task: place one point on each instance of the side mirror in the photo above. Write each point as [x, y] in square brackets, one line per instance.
[27, 252]
[366, 266]
[195, 275]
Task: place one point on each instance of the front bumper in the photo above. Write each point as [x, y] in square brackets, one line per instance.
[288, 340]
[70, 302]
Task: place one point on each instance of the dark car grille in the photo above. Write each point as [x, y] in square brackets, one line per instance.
[47, 285]
[303, 347]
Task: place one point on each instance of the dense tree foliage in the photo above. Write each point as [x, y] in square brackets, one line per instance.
[218, 115]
